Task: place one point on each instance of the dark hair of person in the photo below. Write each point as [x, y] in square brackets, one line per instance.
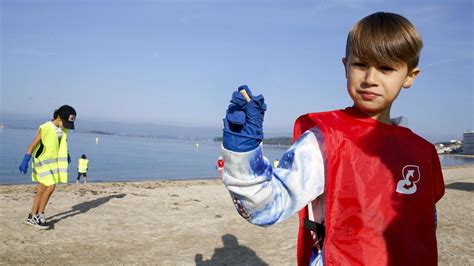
[83, 156]
[56, 113]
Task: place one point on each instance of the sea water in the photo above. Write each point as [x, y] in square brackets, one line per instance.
[125, 158]
[121, 158]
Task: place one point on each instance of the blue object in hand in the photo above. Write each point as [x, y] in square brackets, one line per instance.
[243, 124]
[24, 164]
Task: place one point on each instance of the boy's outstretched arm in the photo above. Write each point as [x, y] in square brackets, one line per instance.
[261, 194]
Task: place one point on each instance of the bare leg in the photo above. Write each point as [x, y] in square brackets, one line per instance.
[45, 197]
[85, 179]
[36, 202]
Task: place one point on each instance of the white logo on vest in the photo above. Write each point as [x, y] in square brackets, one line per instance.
[411, 176]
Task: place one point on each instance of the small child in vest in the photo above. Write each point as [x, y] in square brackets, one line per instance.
[364, 186]
[82, 167]
[50, 161]
[220, 166]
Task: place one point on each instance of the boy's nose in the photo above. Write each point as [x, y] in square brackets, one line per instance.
[370, 76]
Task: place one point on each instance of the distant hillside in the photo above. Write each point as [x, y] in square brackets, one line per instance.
[281, 141]
[118, 128]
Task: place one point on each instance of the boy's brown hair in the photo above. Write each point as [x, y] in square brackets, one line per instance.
[385, 39]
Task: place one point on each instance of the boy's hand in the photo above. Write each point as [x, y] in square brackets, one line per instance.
[243, 124]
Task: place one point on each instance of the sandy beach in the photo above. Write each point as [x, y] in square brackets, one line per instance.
[183, 223]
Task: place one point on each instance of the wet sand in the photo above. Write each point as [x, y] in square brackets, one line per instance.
[183, 223]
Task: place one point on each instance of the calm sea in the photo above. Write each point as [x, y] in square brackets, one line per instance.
[122, 158]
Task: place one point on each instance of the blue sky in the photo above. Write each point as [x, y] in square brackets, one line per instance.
[177, 62]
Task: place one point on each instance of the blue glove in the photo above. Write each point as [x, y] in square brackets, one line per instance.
[243, 124]
[68, 159]
[24, 164]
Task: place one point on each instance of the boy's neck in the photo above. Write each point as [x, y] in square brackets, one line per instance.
[381, 116]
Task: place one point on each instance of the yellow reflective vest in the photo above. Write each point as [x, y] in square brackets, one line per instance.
[82, 165]
[275, 163]
[50, 157]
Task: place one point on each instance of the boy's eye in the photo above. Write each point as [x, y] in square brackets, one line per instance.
[387, 68]
[359, 64]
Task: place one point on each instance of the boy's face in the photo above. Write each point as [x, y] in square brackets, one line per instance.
[374, 88]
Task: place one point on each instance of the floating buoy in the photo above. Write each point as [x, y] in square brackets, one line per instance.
[97, 140]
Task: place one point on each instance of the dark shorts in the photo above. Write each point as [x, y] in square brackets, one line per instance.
[81, 174]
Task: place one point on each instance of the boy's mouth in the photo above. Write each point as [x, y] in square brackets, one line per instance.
[368, 95]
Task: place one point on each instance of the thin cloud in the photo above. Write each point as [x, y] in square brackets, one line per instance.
[440, 62]
[33, 52]
[353, 4]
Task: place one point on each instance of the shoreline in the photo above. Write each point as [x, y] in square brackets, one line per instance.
[183, 179]
[132, 182]
[458, 166]
[124, 181]
[458, 155]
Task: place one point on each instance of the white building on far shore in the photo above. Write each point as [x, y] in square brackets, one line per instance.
[453, 146]
[468, 142]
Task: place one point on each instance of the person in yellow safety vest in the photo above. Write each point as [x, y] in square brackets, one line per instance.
[82, 167]
[50, 161]
[275, 163]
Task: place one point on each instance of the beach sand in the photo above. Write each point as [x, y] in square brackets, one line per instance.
[182, 223]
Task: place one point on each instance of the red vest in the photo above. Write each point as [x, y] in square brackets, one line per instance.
[382, 183]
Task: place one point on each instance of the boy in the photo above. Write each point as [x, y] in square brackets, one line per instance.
[364, 186]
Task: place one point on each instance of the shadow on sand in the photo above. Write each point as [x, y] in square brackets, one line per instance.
[231, 254]
[81, 208]
[461, 186]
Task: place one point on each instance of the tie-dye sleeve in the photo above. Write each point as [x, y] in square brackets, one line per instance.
[265, 196]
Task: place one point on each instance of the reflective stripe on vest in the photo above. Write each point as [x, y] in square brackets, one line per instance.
[52, 172]
[52, 162]
[45, 162]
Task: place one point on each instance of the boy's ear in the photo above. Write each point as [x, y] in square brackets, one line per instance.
[344, 62]
[410, 79]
